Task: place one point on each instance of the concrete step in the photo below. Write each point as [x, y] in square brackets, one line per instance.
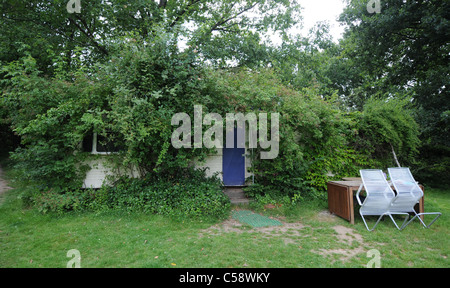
[236, 195]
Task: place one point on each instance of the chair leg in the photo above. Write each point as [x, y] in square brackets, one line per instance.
[430, 213]
[365, 223]
[417, 215]
[404, 222]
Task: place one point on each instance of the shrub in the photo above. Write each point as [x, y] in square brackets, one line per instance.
[433, 165]
[385, 126]
[189, 195]
[131, 99]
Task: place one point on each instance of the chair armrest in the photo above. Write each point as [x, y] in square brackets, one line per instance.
[357, 194]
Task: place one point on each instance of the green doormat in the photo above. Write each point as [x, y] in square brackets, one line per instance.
[253, 219]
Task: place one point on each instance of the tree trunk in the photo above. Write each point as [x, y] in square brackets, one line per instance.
[395, 156]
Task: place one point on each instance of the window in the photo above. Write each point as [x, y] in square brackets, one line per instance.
[99, 144]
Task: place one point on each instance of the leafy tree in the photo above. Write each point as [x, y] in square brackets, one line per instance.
[223, 32]
[402, 50]
[47, 53]
[48, 116]
[129, 100]
[301, 61]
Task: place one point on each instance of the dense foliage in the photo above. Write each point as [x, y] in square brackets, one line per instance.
[190, 195]
[404, 49]
[122, 70]
[401, 52]
[387, 127]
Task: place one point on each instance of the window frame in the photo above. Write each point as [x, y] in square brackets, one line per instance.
[94, 147]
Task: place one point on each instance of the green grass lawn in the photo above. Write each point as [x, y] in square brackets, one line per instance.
[310, 237]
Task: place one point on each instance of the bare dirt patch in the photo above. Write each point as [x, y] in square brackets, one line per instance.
[326, 216]
[3, 185]
[228, 226]
[287, 232]
[348, 241]
[348, 237]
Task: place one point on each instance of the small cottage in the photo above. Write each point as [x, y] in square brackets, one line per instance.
[230, 164]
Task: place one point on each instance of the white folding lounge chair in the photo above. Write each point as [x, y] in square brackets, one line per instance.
[408, 195]
[379, 196]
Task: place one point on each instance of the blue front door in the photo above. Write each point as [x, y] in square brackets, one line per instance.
[233, 165]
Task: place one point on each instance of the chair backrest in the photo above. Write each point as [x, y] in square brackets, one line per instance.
[404, 183]
[376, 184]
